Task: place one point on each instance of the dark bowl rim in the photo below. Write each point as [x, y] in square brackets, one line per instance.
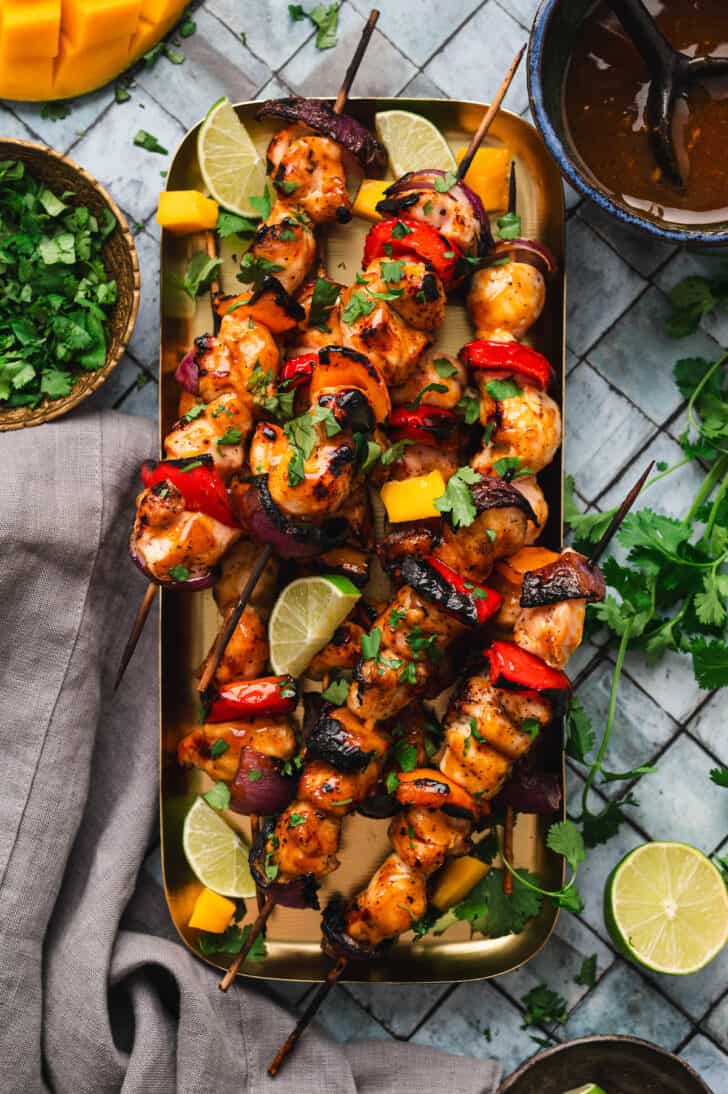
[567, 166]
[49, 409]
[607, 1038]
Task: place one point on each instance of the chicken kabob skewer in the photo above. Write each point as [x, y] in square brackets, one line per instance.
[487, 711]
[269, 307]
[342, 212]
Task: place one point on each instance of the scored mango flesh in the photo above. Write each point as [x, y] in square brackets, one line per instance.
[55, 49]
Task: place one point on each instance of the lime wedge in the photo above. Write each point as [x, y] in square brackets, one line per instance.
[666, 908]
[216, 853]
[587, 1088]
[304, 618]
[231, 168]
[412, 142]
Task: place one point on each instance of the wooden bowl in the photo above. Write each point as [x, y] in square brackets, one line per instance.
[621, 1065]
[120, 258]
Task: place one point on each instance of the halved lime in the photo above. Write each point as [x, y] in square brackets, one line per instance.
[412, 142]
[216, 853]
[666, 908]
[304, 618]
[230, 165]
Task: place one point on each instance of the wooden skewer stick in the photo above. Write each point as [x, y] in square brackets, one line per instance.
[619, 516]
[233, 619]
[508, 828]
[211, 248]
[258, 925]
[490, 113]
[136, 630]
[356, 60]
[304, 1021]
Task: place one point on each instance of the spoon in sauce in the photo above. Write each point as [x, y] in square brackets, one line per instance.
[672, 73]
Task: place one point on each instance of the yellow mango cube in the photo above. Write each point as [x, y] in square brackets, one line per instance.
[146, 35]
[457, 879]
[96, 63]
[488, 176]
[413, 499]
[157, 11]
[30, 30]
[22, 80]
[370, 192]
[184, 211]
[88, 23]
[211, 912]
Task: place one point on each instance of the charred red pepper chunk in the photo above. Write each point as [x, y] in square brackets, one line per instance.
[434, 425]
[254, 698]
[487, 601]
[199, 483]
[511, 357]
[297, 371]
[398, 237]
[512, 666]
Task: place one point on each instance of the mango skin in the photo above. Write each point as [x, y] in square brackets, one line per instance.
[57, 49]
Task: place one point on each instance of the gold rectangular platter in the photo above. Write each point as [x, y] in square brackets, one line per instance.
[189, 621]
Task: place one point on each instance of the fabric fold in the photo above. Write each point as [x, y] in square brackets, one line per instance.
[97, 994]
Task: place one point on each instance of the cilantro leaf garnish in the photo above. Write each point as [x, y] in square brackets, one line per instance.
[336, 692]
[324, 297]
[457, 499]
[218, 796]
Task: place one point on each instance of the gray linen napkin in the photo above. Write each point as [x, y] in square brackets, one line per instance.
[96, 994]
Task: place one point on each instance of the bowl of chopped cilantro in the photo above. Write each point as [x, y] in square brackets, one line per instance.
[69, 284]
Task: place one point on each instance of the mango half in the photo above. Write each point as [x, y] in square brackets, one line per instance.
[55, 49]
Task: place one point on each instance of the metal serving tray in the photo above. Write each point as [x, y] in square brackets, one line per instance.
[190, 621]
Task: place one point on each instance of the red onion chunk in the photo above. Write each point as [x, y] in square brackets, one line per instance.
[570, 577]
[201, 579]
[342, 128]
[259, 787]
[529, 251]
[530, 792]
[187, 372]
[289, 539]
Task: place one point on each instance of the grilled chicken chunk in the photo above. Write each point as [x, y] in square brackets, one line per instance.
[274, 737]
[308, 173]
[504, 301]
[166, 535]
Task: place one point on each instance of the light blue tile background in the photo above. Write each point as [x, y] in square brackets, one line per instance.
[621, 403]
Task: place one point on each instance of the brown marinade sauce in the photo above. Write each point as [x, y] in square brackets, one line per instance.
[605, 91]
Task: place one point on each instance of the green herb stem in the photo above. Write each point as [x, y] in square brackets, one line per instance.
[597, 763]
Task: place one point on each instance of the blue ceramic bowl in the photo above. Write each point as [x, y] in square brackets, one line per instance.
[549, 50]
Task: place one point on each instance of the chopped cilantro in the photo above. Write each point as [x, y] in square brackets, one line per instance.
[218, 748]
[179, 573]
[218, 796]
[149, 142]
[503, 389]
[336, 692]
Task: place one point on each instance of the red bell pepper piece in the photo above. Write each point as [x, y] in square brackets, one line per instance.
[198, 482]
[510, 664]
[508, 357]
[425, 424]
[487, 601]
[297, 371]
[412, 237]
[254, 698]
